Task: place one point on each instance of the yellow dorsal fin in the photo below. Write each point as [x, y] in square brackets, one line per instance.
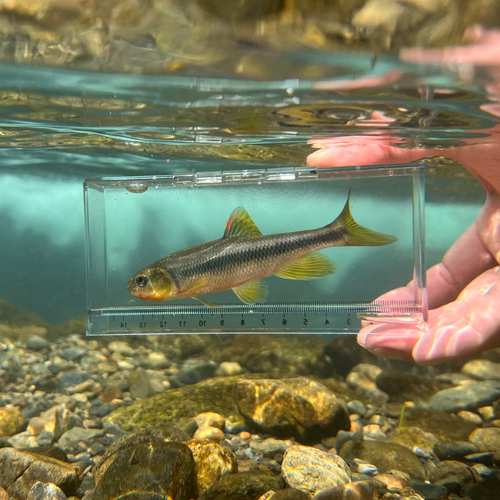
[252, 291]
[313, 265]
[241, 224]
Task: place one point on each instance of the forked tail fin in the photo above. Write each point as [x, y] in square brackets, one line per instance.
[357, 235]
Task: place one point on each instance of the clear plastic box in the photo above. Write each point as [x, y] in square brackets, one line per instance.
[133, 221]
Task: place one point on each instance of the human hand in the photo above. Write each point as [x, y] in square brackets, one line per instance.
[464, 289]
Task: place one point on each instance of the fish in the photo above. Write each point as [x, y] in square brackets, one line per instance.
[243, 257]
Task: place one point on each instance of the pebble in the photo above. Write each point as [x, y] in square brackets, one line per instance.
[485, 458]
[194, 370]
[362, 379]
[72, 353]
[482, 369]
[470, 416]
[211, 419]
[210, 433]
[212, 461]
[344, 436]
[357, 407]
[45, 491]
[482, 470]
[270, 447]
[487, 439]
[45, 438]
[70, 440]
[73, 378]
[487, 413]
[37, 343]
[373, 432]
[358, 490]
[11, 421]
[454, 450]
[470, 397]
[311, 470]
[429, 491]
[365, 468]
[229, 369]
[122, 348]
[157, 361]
[392, 482]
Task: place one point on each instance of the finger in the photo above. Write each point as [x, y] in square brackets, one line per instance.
[466, 326]
[467, 258]
[362, 152]
[486, 51]
[389, 340]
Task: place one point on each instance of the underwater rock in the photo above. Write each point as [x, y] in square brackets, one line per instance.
[228, 369]
[195, 370]
[485, 490]
[454, 450]
[385, 456]
[11, 421]
[208, 432]
[482, 369]
[444, 426]
[298, 407]
[358, 490]
[243, 486]
[289, 494]
[471, 417]
[140, 385]
[311, 470]
[403, 387]
[211, 419]
[70, 440]
[451, 474]
[178, 406]
[269, 447]
[212, 461]
[37, 343]
[414, 436]
[487, 439]
[153, 466]
[3, 494]
[429, 491]
[362, 379]
[45, 491]
[468, 397]
[20, 470]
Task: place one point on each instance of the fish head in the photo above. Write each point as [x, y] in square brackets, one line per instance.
[152, 284]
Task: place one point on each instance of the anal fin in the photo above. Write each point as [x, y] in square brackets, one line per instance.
[252, 291]
[313, 265]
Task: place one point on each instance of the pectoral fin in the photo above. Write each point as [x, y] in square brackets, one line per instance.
[197, 287]
[241, 224]
[251, 292]
[313, 265]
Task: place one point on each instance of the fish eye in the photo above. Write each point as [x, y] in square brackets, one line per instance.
[141, 279]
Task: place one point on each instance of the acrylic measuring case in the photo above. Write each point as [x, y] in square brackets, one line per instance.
[133, 222]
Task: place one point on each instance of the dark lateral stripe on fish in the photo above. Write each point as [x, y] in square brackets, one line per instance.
[262, 250]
